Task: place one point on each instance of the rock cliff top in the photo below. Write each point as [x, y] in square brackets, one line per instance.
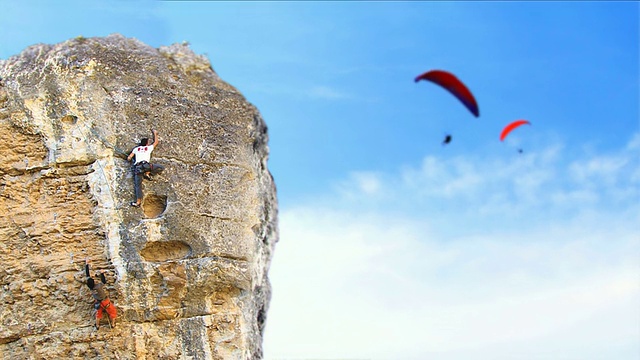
[187, 270]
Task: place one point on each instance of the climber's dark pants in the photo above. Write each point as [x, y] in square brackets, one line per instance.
[139, 170]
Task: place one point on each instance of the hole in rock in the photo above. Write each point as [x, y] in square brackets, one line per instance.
[165, 251]
[154, 205]
[69, 119]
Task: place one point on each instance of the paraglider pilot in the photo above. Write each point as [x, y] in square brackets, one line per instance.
[447, 139]
[101, 298]
[142, 166]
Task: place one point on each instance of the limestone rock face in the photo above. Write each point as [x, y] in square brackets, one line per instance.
[187, 270]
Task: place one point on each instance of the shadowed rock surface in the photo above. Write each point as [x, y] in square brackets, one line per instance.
[187, 271]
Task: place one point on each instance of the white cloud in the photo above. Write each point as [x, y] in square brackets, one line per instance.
[505, 279]
[363, 286]
[361, 183]
[634, 144]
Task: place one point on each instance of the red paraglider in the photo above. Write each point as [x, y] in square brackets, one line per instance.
[454, 86]
[507, 129]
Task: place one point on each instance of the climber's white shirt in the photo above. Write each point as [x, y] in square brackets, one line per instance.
[143, 153]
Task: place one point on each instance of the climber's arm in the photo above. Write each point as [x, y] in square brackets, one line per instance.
[155, 138]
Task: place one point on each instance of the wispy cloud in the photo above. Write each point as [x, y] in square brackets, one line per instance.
[549, 182]
[362, 183]
[321, 92]
[328, 93]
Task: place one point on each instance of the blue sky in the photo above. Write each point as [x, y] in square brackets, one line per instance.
[392, 245]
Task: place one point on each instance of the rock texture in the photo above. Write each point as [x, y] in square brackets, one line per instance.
[188, 270]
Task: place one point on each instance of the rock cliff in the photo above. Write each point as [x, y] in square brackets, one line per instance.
[187, 270]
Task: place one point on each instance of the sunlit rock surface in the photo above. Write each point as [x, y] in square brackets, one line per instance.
[188, 270]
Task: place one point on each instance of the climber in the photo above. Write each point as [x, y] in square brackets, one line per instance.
[142, 166]
[101, 298]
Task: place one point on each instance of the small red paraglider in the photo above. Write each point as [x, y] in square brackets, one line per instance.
[507, 129]
[450, 82]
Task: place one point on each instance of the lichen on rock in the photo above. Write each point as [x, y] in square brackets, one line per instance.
[187, 270]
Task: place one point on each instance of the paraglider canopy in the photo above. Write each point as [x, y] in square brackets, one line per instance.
[510, 127]
[450, 82]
